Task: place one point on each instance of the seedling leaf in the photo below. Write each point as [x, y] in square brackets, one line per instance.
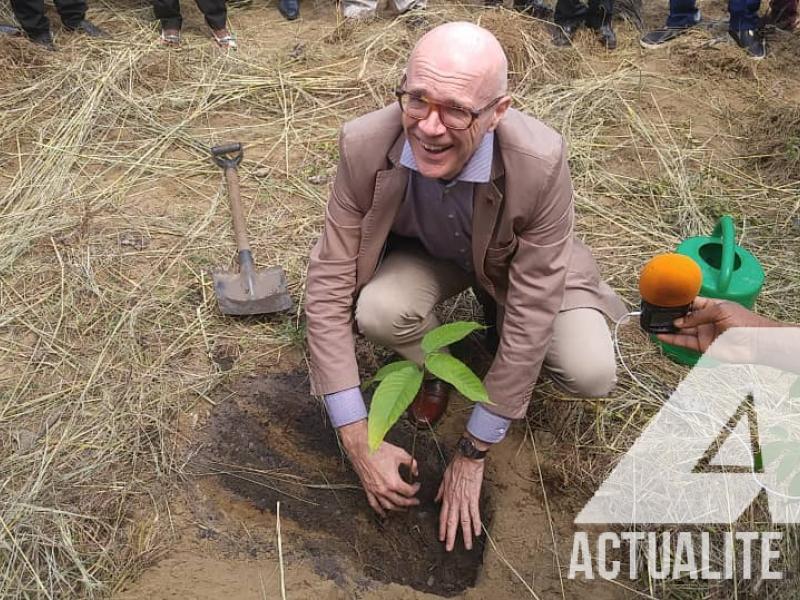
[445, 335]
[386, 370]
[391, 399]
[457, 374]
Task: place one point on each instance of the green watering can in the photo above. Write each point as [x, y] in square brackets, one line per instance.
[729, 272]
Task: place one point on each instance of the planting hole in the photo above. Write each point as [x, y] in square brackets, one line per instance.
[275, 444]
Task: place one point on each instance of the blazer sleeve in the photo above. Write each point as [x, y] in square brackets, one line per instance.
[536, 280]
[331, 285]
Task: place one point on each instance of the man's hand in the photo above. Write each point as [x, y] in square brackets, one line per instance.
[379, 471]
[708, 320]
[460, 492]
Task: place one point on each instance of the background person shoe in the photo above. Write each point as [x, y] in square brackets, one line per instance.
[752, 41]
[684, 14]
[168, 12]
[88, 28]
[571, 14]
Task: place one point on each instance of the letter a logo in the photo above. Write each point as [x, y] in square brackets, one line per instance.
[658, 480]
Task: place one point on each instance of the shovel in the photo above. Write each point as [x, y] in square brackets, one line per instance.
[248, 292]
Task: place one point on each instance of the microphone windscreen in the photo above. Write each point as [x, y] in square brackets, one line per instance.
[670, 280]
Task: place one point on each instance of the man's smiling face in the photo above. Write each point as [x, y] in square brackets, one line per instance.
[451, 78]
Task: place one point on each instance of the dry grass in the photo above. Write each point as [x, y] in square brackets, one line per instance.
[111, 216]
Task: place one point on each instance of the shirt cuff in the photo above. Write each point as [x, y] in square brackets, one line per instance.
[487, 426]
[345, 407]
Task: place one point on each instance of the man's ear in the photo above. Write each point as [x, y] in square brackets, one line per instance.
[499, 112]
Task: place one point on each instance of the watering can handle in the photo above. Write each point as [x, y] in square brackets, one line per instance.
[727, 232]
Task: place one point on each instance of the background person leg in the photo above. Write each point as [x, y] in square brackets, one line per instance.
[215, 13]
[31, 17]
[169, 13]
[683, 13]
[743, 14]
[72, 12]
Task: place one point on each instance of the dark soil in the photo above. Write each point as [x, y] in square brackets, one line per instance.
[273, 443]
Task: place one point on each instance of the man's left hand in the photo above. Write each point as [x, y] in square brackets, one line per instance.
[460, 492]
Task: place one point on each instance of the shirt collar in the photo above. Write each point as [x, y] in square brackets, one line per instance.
[477, 170]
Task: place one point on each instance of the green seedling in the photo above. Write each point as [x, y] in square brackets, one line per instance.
[399, 382]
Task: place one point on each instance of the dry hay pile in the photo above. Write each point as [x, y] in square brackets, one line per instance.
[111, 216]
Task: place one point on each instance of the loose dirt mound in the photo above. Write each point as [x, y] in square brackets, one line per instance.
[271, 443]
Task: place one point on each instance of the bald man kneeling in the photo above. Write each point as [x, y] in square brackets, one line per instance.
[450, 188]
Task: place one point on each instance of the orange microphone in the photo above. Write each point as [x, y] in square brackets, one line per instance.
[668, 284]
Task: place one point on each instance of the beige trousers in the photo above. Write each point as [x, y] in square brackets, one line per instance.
[396, 309]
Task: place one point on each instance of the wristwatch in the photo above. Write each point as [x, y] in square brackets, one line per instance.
[467, 448]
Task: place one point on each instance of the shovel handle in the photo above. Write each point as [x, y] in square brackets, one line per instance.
[239, 230]
[222, 155]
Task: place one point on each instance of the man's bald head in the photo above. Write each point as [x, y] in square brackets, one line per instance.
[454, 93]
[464, 50]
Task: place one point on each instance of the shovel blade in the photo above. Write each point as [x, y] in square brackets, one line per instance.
[268, 293]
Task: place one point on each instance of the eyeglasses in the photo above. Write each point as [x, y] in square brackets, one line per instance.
[419, 107]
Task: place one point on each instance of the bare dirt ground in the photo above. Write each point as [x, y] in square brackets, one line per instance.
[145, 441]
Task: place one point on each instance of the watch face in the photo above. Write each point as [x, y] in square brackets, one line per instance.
[466, 448]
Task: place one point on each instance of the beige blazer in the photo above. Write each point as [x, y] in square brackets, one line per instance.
[523, 249]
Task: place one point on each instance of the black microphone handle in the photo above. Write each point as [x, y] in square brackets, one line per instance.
[659, 319]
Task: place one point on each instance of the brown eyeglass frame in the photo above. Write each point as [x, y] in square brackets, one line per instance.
[400, 92]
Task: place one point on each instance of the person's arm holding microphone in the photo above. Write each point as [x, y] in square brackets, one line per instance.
[672, 310]
[708, 319]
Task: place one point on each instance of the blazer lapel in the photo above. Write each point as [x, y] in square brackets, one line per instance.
[485, 208]
[390, 189]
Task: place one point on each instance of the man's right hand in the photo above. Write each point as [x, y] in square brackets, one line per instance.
[379, 471]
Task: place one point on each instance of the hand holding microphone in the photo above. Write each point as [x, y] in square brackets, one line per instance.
[711, 318]
[668, 284]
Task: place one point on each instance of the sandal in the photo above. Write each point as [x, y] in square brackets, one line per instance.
[170, 38]
[225, 40]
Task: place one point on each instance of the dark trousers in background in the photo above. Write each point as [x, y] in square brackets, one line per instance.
[31, 17]
[169, 13]
[783, 9]
[575, 12]
[743, 13]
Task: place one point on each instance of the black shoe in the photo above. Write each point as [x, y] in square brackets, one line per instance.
[6, 29]
[45, 40]
[562, 35]
[534, 8]
[607, 36]
[658, 37]
[88, 28]
[289, 9]
[751, 41]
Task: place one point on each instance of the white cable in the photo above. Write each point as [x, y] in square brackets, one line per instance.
[617, 323]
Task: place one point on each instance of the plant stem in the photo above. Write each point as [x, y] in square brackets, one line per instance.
[411, 462]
